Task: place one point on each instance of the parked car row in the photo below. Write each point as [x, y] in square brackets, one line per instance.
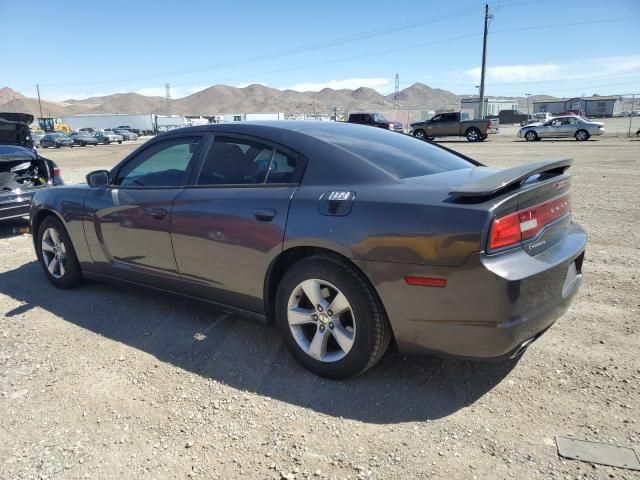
[83, 137]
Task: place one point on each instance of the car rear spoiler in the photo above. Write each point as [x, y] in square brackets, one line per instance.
[492, 184]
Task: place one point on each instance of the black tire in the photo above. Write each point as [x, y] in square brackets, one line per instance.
[531, 136]
[83, 144]
[419, 133]
[57, 145]
[582, 135]
[473, 134]
[119, 142]
[482, 138]
[107, 141]
[372, 329]
[72, 275]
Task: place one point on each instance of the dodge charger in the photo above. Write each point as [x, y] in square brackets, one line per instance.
[346, 238]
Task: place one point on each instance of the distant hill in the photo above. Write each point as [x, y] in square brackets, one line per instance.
[251, 99]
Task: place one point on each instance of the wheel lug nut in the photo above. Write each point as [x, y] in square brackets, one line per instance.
[320, 308]
[330, 313]
[330, 325]
[314, 317]
[322, 328]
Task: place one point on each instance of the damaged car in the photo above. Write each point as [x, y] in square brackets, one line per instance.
[22, 170]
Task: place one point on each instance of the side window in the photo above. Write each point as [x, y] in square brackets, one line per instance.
[164, 164]
[437, 118]
[233, 161]
[282, 168]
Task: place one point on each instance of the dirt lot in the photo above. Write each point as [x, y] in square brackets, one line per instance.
[106, 382]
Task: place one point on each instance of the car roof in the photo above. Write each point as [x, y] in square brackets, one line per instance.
[311, 139]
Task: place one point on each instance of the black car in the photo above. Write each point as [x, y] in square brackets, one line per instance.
[83, 138]
[375, 120]
[346, 237]
[56, 140]
[22, 170]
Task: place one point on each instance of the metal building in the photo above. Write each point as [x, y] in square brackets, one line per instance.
[595, 106]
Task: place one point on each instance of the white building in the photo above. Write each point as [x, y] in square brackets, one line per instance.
[492, 106]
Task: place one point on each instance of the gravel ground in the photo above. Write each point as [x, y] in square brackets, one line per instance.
[109, 382]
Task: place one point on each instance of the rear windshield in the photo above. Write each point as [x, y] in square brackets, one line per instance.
[399, 155]
[11, 151]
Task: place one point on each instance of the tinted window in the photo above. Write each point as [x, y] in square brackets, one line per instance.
[400, 155]
[282, 168]
[164, 164]
[232, 161]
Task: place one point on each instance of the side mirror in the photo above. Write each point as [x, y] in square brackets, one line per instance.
[98, 178]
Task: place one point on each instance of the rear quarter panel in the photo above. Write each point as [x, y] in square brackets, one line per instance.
[404, 224]
[66, 203]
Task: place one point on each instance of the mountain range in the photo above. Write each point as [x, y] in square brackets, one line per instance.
[227, 99]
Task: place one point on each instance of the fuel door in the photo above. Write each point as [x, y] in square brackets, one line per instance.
[336, 203]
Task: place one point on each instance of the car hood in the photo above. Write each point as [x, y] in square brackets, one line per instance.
[14, 129]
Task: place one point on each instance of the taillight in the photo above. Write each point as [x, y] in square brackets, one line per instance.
[525, 224]
[56, 171]
[489, 124]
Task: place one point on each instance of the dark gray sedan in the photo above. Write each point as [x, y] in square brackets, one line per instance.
[345, 237]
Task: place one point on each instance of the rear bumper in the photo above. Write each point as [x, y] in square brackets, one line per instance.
[491, 307]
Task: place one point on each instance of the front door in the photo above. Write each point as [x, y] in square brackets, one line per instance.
[228, 228]
[127, 223]
[444, 124]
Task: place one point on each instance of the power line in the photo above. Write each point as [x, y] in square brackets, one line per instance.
[411, 47]
[454, 14]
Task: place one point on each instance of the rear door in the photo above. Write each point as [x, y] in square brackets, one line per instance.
[127, 224]
[228, 226]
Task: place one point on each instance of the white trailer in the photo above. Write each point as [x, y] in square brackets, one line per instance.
[170, 122]
[145, 123]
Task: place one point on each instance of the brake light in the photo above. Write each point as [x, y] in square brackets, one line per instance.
[525, 224]
[56, 171]
[490, 124]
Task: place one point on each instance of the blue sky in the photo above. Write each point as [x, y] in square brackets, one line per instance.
[80, 49]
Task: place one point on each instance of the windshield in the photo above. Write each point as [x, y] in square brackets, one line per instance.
[58, 135]
[379, 118]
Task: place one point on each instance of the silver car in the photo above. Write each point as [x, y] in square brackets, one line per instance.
[562, 127]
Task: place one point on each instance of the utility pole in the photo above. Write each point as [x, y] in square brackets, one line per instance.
[167, 96]
[396, 96]
[487, 17]
[633, 103]
[39, 103]
[528, 112]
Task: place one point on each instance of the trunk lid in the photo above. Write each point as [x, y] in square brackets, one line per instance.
[14, 129]
[529, 205]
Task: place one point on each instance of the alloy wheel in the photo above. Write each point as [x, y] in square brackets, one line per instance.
[54, 253]
[321, 320]
[419, 134]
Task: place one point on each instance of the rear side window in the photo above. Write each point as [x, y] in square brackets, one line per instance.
[234, 161]
[399, 155]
